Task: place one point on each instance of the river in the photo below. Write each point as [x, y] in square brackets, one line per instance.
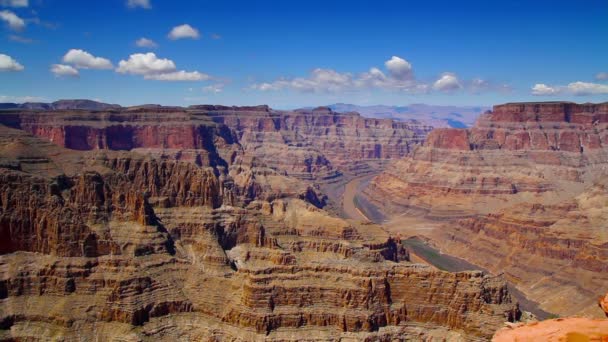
[356, 206]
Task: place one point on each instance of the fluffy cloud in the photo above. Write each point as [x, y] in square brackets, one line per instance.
[139, 3]
[447, 82]
[154, 68]
[575, 88]
[543, 89]
[84, 60]
[146, 43]
[179, 76]
[398, 76]
[7, 63]
[14, 3]
[602, 76]
[12, 20]
[320, 80]
[214, 88]
[62, 70]
[585, 88]
[183, 31]
[398, 68]
[145, 64]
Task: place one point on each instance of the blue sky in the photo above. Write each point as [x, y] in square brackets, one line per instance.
[304, 53]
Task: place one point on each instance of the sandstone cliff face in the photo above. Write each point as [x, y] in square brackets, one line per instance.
[515, 150]
[566, 241]
[321, 135]
[115, 245]
[523, 192]
[305, 144]
[191, 138]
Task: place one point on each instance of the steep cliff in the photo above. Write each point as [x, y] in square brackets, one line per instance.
[514, 153]
[312, 138]
[117, 245]
[308, 144]
[523, 193]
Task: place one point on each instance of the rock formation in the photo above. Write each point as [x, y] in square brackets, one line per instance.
[560, 329]
[309, 144]
[603, 304]
[101, 243]
[523, 192]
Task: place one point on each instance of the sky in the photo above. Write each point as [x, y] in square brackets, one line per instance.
[292, 54]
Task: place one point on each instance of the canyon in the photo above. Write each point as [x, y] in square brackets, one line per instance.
[150, 222]
[248, 223]
[523, 193]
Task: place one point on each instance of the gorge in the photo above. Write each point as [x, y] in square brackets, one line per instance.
[249, 223]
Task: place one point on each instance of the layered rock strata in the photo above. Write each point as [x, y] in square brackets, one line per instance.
[514, 152]
[309, 144]
[117, 245]
[523, 192]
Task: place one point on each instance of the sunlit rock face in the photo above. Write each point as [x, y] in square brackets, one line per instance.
[104, 244]
[309, 144]
[523, 192]
[561, 329]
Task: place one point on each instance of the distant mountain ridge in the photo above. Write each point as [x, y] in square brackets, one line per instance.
[77, 104]
[437, 116]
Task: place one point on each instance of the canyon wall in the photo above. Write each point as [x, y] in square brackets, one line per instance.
[309, 144]
[523, 192]
[103, 244]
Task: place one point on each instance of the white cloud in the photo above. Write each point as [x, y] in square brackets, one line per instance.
[14, 3]
[320, 80]
[329, 80]
[585, 88]
[139, 3]
[179, 76]
[154, 68]
[447, 82]
[21, 99]
[84, 60]
[575, 88]
[145, 64]
[540, 89]
[7, 63]
[214, 88]
[399, 68]
[183, 31]
[12, 20]
[398, 76]
[61, 70]
[602, 76]
[147, 43]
